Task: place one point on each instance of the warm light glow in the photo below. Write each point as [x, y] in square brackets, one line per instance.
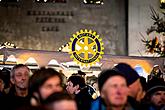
[1, 57]
[70, 63]
[20, 61]
[141, 71]
[162, 1]
[11, 58]
[31, 60]
[162, 4]
[53, 62]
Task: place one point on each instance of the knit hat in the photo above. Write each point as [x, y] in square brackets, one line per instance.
[105, 75]
[155, 84]
[130, 74]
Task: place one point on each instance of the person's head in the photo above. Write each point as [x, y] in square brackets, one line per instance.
[60, 101]
[1, 82]
[113, 88]
[95, 85]
[6, 77]
[133, 79]
[82, 74]
[156, 93]
[156, 69]
[19, 76]
[142, 93]
[158, 99]
[32, 108]
[44, 82]
[75, 84]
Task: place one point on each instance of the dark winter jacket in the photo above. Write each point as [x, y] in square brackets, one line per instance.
[83, 99]
[13, 101]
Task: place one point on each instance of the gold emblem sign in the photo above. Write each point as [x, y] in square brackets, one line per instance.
[86, 47]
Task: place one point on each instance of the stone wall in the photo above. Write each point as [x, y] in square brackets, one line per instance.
[48, 26]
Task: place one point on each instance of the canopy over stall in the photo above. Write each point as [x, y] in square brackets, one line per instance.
[43, 58]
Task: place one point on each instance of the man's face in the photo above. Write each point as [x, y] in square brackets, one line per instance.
[95, 86]
[70, 88]
[50, 86]
[114, 91]
[21, 77]
[156, 69]
[158, 98]
[65, 105]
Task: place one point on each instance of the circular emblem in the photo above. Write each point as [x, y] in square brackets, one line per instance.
[86, 47]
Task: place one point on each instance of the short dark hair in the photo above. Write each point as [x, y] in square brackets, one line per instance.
[143, 83]
[55, 97]
[32, 108]
[16, 67]
[58, 96]
[77, 80]
[5, 76]
[40, 76]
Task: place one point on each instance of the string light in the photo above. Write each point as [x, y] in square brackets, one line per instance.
[162, 1]
[7, 45]
[99, 2]
[64, 48]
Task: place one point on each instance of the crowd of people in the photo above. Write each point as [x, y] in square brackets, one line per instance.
[117, 88]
